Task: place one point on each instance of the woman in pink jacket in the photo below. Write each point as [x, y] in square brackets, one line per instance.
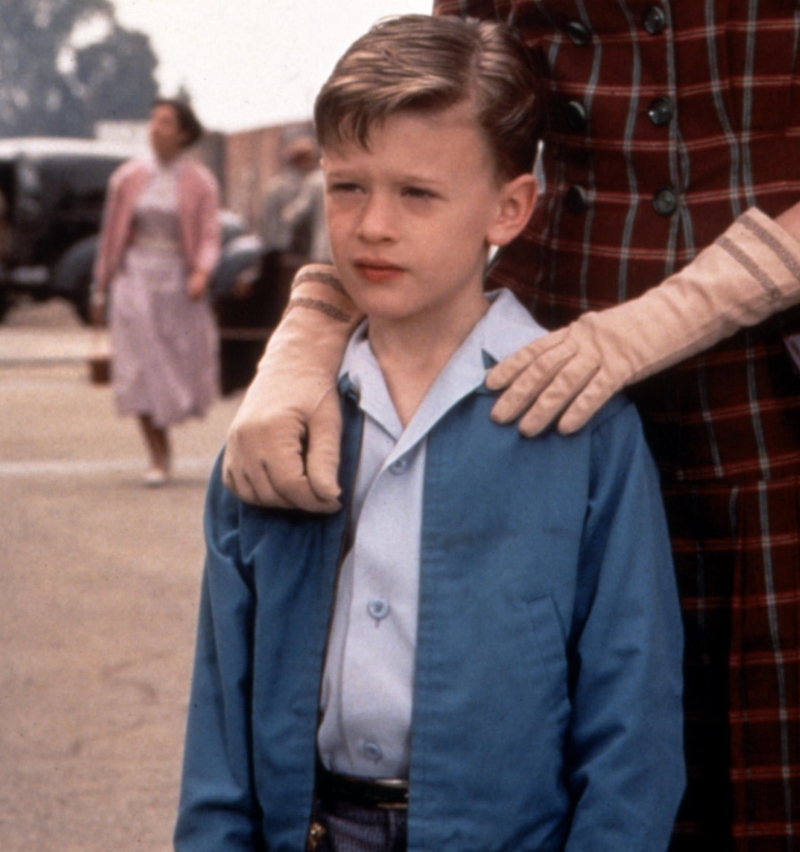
[158, 246]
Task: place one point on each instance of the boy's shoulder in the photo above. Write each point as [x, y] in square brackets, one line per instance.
[612, 434]
[618, 410]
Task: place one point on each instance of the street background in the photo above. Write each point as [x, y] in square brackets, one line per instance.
[99, 584]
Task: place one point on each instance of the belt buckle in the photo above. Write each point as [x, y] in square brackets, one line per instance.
[395, 785]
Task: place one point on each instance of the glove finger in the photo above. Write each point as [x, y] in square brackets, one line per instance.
[557, 396]
[504, 373]
[531, 383]
[235, 478]
[594, 396]
[238, 485]
[245, 474]
[285, 473]
[263, 494]
[322, 460]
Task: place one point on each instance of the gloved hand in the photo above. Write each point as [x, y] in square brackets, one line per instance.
[749, 273]
[283, 445]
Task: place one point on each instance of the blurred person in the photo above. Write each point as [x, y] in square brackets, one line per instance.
[159, 244]
[306, 214]
[278, 232]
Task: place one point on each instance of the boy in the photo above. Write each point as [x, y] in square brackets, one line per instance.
[483, 651]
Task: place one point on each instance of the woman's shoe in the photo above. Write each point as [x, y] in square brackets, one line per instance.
[155, 477]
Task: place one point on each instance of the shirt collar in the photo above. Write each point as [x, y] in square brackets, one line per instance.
[504, 328]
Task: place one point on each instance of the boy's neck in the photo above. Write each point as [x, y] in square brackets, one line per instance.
[412, 352]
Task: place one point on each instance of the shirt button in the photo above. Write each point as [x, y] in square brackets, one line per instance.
[576, 200]
[654, 20]
[399, 466]
[661, 111]
[576, 116]
[665, 201]
[578, 33]
[372, 751]
[378, 608]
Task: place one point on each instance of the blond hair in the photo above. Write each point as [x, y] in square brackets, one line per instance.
[421, 63]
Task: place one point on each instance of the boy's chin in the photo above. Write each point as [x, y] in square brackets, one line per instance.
[376, 301]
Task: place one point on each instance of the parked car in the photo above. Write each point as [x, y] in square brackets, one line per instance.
[52, 193]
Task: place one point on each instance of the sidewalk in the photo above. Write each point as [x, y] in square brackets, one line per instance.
[42, 334]
[99, 583]
[41, 346]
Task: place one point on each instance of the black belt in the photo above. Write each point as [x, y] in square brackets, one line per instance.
[389, 793]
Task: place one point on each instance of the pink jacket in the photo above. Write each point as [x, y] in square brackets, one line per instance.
[198, 205]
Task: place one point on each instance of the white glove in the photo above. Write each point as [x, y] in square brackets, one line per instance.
[746, 275]
[283, 445]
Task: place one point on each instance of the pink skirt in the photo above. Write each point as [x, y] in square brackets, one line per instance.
[164, 344]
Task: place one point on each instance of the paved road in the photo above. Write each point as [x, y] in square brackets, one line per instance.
[99, 580]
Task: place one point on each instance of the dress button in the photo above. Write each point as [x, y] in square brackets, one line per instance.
[576, 200]
[576, 116]
[654, 20]
[372, 751]
[665, 201]
[378, 608]
[578, 33]
[399, 466]
[661, 111]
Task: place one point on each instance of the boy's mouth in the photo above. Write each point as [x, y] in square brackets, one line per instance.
[377, 271]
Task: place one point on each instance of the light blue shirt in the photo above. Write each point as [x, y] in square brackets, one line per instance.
[367, 686]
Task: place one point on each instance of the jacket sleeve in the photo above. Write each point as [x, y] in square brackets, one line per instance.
[218, 808]
[624, 753]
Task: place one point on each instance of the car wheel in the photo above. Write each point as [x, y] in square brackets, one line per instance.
[82, 296]
[72, 276]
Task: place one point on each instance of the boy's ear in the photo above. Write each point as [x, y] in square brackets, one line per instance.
[515, 207]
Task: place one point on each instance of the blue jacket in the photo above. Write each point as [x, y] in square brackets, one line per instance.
[547, 703]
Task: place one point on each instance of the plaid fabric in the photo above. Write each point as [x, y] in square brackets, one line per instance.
[665, 121]
[736, 557]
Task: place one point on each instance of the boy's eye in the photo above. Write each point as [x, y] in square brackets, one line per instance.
[417, 192]
[344, 186]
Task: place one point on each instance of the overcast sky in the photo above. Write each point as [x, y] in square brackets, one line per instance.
[250, 63]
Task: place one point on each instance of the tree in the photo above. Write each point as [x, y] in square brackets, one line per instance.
[116, 76]
[56, 81]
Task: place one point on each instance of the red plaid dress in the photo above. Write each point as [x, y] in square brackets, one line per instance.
[666, 120]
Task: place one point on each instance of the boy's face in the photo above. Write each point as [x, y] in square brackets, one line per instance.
[410, 220]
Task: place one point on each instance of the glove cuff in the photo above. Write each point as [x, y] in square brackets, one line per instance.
[749, 273]
[766, 253]
[316, 324]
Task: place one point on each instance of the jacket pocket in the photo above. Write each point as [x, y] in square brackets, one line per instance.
[550, 643]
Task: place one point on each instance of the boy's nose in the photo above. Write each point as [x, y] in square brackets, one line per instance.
[378, 221]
